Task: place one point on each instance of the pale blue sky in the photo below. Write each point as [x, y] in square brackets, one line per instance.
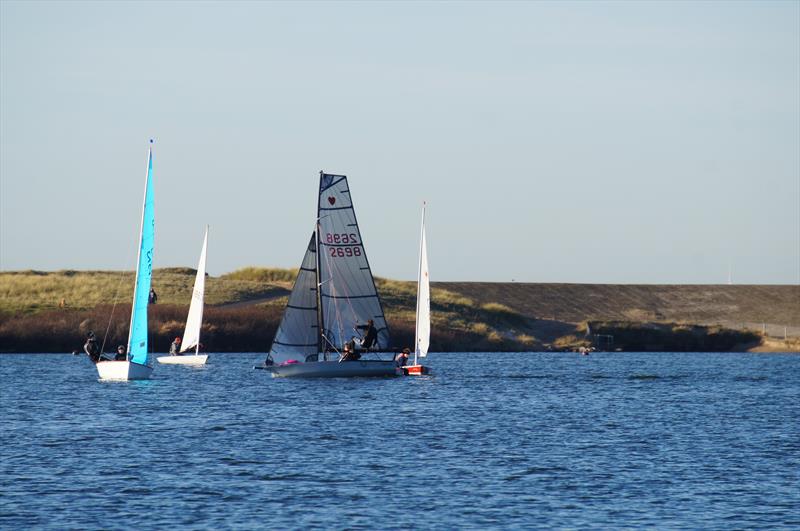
[554, 142]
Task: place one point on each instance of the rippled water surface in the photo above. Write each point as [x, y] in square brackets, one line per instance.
[630, 440]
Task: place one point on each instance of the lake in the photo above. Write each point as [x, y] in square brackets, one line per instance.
[489, 441]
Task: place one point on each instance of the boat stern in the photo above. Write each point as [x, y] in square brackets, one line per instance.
[415, 370]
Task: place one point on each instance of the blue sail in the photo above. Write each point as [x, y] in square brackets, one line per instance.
[137, 340]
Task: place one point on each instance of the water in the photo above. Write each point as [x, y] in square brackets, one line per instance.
[668, 441]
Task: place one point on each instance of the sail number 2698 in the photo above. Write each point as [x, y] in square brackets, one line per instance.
[343, 239]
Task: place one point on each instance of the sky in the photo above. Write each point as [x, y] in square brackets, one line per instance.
[588, 142]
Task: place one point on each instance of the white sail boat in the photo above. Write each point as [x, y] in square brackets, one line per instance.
[333, 299]
[136, 366]
[422, 335]
[191, 335]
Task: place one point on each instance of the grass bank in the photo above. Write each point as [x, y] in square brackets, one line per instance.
[244, 309]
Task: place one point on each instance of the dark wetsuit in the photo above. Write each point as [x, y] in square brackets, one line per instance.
[350, 353]
[370, 337]
[92, 349]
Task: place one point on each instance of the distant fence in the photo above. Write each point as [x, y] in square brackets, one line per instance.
[768, 329]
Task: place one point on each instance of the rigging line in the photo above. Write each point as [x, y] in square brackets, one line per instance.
[336, 350]
[337, 311]
[337, 315]
[350, 303]
[348, 299]
[113, 307]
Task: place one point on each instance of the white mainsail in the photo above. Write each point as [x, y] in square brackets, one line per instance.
[298, 335]
[348, 296]
[333, 299]
[191, 335]
[423, 332]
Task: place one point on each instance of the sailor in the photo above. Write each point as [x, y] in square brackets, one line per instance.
[91, 347]
[370, 334]
[402, 358]
[121, 354]
[175, 347]
[350, 353]
[152, 298]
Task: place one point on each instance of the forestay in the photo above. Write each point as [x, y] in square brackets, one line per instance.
[347, 289]
[297, 335]
[191, 335]
[137, 338]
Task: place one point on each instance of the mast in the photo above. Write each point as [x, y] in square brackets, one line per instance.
[419, 282]
[320, 314]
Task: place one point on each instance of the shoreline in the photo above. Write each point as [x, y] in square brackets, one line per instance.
[52, 312]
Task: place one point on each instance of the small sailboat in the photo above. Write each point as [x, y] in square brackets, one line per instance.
[333, 299]
[136, 366]
[191, 335]
[422, 335]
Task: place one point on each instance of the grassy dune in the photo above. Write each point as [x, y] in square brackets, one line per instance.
[35, 291]
[244, 309]
[701, 304]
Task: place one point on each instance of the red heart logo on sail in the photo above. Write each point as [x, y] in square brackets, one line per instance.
[331, 199]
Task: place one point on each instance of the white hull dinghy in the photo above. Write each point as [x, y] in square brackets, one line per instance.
[191, 335]
[333, 300]
[187, 359]
[123, 370]
[136, 367]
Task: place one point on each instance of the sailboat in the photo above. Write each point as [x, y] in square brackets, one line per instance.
[422, 334]
[333, 300]
[191, 335]
[136, 367]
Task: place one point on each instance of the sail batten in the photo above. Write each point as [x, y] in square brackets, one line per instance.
[348, 297]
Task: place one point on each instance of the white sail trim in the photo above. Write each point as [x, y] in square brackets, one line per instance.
[191, 335]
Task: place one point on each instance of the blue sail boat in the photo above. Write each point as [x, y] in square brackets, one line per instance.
[136, 367]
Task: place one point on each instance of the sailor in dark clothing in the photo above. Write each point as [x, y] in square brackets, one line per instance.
[402, 358]
[152, 298]
[91, 347]
[349, 353]
[121, 354]
[370, 334]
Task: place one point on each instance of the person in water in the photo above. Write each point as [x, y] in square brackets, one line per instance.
[175, 347]
[91, 347]
[402, 358]
[122, 355]
[370, 334]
